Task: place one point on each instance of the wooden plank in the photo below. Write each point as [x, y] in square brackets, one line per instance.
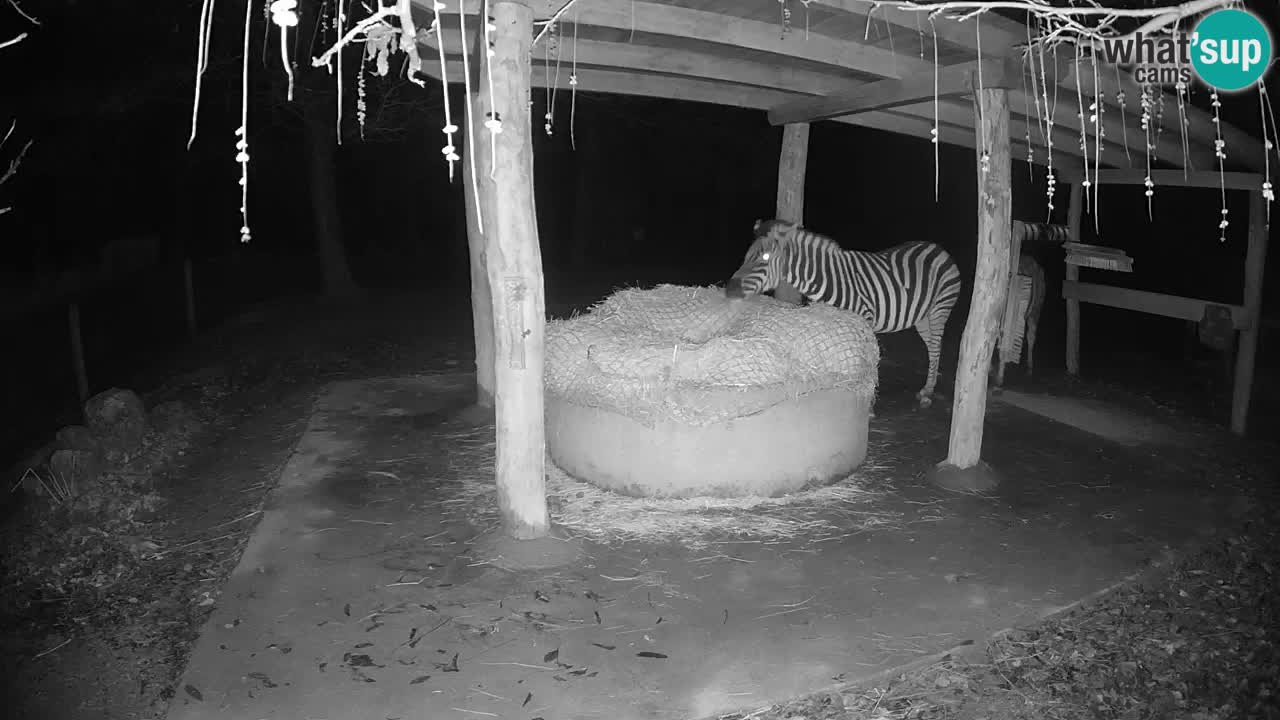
[1173, 306]
[1180, 178]
[951, 81]
[793, 161]
[991, 280]
[992, 35]
[514, 270]
[1254, 273]
[598, 54]
[711, 27]
[998, 37]
[695, 90]
[745, 76]
[1075, 210]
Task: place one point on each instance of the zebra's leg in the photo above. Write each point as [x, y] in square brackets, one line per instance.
[1033, 316]
[1033, 320]
[930, 333]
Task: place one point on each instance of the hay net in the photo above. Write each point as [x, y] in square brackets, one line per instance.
[692, 355]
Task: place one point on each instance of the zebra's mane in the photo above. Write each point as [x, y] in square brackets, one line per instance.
[817, 241]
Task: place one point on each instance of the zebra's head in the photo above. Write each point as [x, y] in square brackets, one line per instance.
[765, 264]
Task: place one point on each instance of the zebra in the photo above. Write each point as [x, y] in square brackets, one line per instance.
[1028, 266]
[912, 285]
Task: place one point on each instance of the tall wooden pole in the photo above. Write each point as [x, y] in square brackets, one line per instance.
[963, 468]
[1254, 264]
[513, 263]
[189, 296]
[481, 299]
[793, 161]
[77, 352]
[1074, 212]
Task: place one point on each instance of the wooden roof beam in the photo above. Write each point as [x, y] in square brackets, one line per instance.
[998, 33]
[717, 93]
[710, 27]
[1065, 143]
[950, 81]
[646, 58]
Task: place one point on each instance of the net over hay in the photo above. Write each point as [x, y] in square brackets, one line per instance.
[678, 391]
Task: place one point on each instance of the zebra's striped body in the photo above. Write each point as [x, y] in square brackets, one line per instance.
[1032, 234]
[912, 285]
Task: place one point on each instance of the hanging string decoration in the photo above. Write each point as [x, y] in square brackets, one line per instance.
[284, 16]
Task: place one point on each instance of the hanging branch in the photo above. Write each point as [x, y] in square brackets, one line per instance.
[936, 139]
[470, 114]
[13, 164]
[284, 16]
[1084, 131]
[242, 132]
[573, 87]
[1264, 109]
[1099, 134]
[339, 24]
[1220, 151]
[202, 61]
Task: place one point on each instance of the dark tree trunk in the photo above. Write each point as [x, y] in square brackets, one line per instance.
[322, 156]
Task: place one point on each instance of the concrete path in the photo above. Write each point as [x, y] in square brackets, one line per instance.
[360, 597]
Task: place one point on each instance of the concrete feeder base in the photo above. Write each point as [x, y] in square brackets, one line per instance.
[819, 437]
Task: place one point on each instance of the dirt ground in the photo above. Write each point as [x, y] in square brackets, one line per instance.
[1136, 652]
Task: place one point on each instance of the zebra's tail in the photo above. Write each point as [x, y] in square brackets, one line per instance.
[1042, 233]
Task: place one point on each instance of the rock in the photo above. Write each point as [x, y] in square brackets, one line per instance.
[119, 420]
[77, 437]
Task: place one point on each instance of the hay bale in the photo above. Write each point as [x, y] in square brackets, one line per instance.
[678, 391]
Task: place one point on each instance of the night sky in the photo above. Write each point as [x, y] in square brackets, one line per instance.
[105, 91]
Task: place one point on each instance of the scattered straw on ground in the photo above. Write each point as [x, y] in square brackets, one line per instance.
[813, 514]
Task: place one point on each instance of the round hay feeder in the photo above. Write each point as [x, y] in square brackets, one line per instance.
[680, 392]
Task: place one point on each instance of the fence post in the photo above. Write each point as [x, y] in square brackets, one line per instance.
[189, 289]
[77, 351]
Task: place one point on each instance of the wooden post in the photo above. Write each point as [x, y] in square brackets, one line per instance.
[963, 469]
[189, 294]
[481, 296]
[1074, 212]
[514, 270]
[77, 351]
[793, 161]
[1254, 264]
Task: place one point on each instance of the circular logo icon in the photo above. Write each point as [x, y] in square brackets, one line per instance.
[1232, 49]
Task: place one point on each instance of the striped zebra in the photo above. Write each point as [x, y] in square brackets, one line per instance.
[1029, 267]
[912, 285]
